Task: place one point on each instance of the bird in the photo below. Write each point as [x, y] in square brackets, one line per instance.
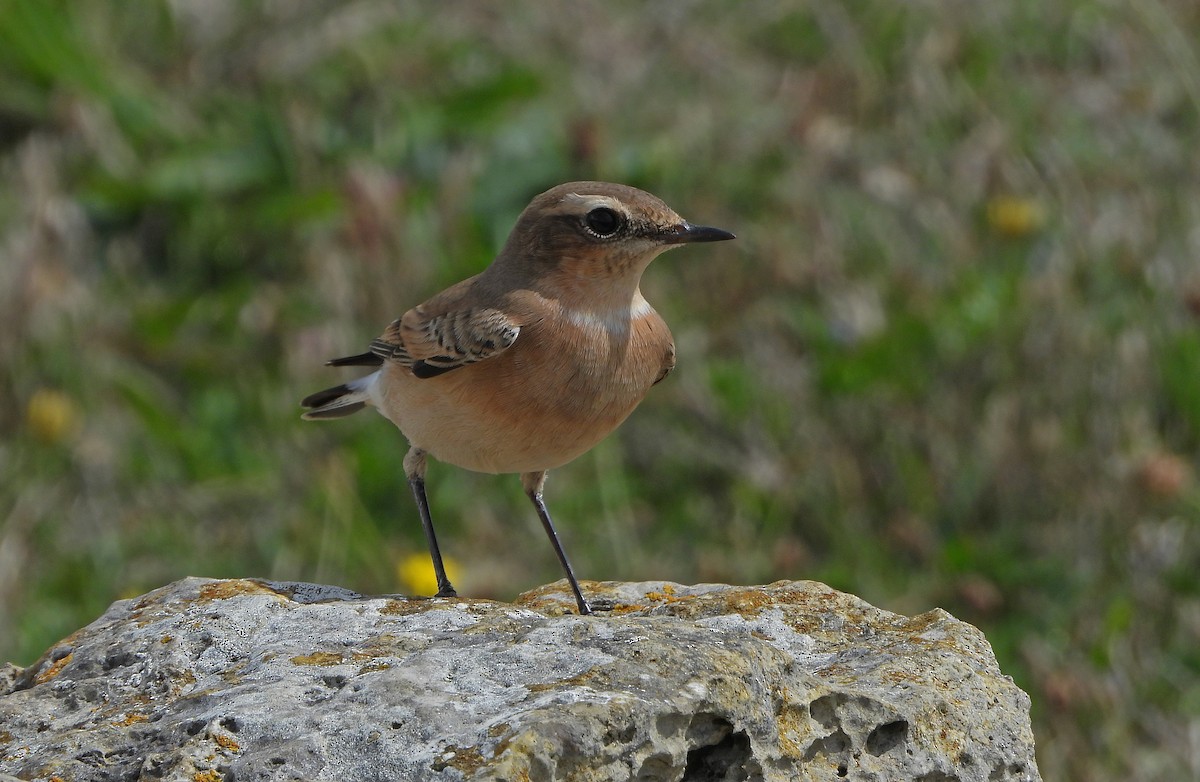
[533, 361]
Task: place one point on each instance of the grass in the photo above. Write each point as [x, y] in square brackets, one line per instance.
[953, 358]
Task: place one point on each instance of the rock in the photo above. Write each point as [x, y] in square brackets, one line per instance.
[248, 680]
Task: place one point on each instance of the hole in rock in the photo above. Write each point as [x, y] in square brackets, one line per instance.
[703, 730]
[118, 659]
[824, 710]
[334, 682]
[1005, 773]
[729, 759]
[832, 744]
[887, 736]
[619, 734]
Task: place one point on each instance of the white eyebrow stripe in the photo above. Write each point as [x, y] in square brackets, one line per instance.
[589, 202]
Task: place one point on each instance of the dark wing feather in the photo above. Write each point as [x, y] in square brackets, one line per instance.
[367, 359]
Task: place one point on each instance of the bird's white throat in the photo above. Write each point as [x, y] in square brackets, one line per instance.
[614, 319]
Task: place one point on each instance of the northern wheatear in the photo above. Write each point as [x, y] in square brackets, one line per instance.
[530, 363]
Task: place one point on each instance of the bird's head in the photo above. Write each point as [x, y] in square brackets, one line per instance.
[600, 230]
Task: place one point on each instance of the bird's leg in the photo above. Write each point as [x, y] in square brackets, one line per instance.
[414, 468]
[533, 483]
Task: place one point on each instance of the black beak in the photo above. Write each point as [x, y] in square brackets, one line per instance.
[685, 232]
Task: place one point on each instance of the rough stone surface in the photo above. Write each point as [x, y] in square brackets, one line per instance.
[245, 680]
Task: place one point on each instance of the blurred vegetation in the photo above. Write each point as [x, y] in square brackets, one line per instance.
[953, 358]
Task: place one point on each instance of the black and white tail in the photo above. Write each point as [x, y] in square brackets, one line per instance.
[339, 401]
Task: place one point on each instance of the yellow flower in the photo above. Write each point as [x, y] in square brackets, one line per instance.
[51, 415]
[415, 573]
[1015, 216]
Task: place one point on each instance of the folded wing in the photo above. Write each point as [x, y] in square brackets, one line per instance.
[445, 333]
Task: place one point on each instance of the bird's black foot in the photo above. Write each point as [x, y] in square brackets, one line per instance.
[601, 605]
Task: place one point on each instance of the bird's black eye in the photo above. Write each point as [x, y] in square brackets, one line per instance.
[603, 222]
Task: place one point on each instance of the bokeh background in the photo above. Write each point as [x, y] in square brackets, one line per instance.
[953, 358]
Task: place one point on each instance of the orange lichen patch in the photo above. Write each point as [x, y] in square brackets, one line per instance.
[54, 669]
[207, 776]
[805, 624]
[899, 676]
[223, 590]
[338, 658]
[383, 645]
[625, 608]
[554, 599]
[373, 667]
[747, 602]
[667, 595]
[834, 671]
[468, 760]
[319, 658]
[130, 719]
[503, 732]
[181, 682]
[751, 602]
[924, 622]
[227, 743]
[481, 607]
[583, 679]
[405, 607]
[795, 729]
[5, 737]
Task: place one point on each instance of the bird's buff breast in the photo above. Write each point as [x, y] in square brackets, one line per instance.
[536, 406]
